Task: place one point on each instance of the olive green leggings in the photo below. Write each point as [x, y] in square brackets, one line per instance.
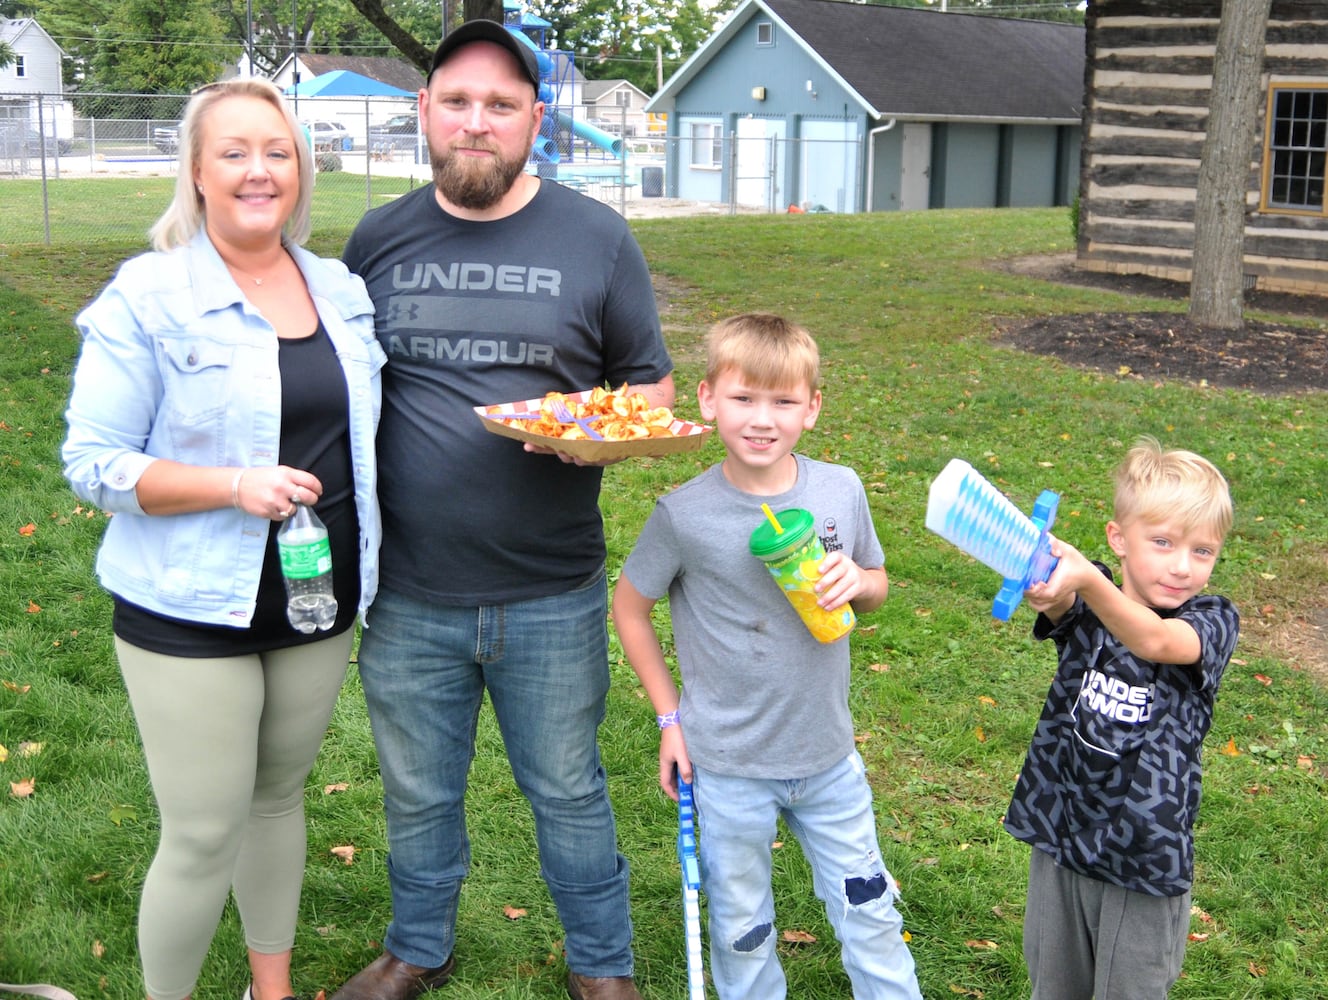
[229, 743]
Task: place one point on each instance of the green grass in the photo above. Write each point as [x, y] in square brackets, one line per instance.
[944, 697]
[121, 209]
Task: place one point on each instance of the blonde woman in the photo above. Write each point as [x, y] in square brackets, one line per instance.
[225, 377]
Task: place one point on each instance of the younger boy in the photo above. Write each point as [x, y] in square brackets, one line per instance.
[1110, 789]
[762, 728]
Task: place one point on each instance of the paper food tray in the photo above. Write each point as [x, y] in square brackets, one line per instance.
[683, 435]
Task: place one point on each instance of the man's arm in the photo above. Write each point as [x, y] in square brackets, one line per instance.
[661, 393]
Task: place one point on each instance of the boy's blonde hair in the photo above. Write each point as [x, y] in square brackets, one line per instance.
[185, 215]
[1158, 485]
[767, 350]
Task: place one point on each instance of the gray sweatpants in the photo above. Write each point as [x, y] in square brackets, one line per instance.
[1087, 939]
[229, 743]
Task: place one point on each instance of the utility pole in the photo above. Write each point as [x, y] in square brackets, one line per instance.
[295, 55]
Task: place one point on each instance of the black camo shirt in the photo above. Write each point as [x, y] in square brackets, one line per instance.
[1111, 784]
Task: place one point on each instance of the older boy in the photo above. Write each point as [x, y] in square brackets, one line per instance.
[763, 728]
[1110, 788]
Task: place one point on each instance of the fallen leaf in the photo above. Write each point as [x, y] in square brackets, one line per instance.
[1198, 937]
[1123, 370]
[987, 700]
[340, 786]
[22, 789]
[880, 668]
[922, 612]
[799, 937]
[776, 845]
[862, 738]
[18, 688]
[513, 912]
[966, 992]
[982, 944]
[1201, 915]
[119, 814]
[980, 735]
[98, 950]
[33, 608]
[1230, 749]
[98, 877]
[27, 529]
[907, 937]
[1238, 661]
[346, 853]
[1258, 971]
[1305, 763]
[29, 749]
[1264, 679]
[4, 754]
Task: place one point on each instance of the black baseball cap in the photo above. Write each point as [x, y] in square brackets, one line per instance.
[489, 31]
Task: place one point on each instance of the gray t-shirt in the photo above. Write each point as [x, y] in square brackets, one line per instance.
[761, 698]
[555, 297]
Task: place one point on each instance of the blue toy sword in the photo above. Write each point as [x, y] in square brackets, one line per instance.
[968, 511]
[691, 886]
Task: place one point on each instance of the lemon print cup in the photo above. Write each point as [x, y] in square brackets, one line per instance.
[793, 557]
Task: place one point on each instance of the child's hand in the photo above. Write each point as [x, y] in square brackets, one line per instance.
[673, 760]
[1056, 595]
[843, 580]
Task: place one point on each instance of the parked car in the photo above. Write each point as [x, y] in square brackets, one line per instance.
[18, 140]
[400, 125]
[166, 139]
[328, 136]
[400, 132]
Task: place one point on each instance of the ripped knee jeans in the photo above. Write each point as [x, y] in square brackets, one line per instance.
[831, 815]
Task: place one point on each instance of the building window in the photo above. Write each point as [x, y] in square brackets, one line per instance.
[623, 98]
[1296, 148]
[765, 33]
[20, 66]
[707, 146]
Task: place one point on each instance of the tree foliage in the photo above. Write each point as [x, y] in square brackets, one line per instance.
[1067, 11]
[629, 39]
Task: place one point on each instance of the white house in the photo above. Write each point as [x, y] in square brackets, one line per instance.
[31, 88]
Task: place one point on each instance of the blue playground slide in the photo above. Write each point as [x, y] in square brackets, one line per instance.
[595, 136]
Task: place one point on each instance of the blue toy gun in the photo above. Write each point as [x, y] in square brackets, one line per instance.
[691, 886]
[969, 512]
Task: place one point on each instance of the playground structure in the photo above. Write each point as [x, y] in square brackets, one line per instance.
[562, 124]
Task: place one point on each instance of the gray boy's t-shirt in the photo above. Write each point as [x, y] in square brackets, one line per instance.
[761, 698]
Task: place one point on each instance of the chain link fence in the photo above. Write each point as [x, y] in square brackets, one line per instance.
[102, 169]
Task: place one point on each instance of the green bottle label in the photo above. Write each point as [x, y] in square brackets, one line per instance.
[305, 560]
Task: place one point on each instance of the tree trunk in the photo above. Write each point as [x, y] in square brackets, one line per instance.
[404, 42]
[491, 9]
[1216, 293]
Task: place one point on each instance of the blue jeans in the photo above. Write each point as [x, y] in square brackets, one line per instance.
[425, 668]
[831, 815]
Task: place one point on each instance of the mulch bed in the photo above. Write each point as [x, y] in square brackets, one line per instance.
[1263, 357]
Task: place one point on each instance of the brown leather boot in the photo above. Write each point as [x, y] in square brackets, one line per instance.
[389, 978]
[607, 988]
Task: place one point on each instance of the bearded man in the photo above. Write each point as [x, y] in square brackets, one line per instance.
[489, 286]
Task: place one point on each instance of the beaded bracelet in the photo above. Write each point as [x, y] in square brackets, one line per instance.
[667, 719]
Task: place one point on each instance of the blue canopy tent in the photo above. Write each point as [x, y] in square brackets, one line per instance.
[344, 83]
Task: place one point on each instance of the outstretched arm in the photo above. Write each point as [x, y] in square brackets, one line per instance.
[1138, 627]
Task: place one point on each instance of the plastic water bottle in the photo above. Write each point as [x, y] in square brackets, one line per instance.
[306, 565]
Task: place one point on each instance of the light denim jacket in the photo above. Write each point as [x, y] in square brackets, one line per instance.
[176, 364]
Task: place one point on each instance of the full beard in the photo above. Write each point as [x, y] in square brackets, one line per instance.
[474, 183]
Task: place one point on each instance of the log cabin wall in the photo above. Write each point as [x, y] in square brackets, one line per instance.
[1147, 77]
